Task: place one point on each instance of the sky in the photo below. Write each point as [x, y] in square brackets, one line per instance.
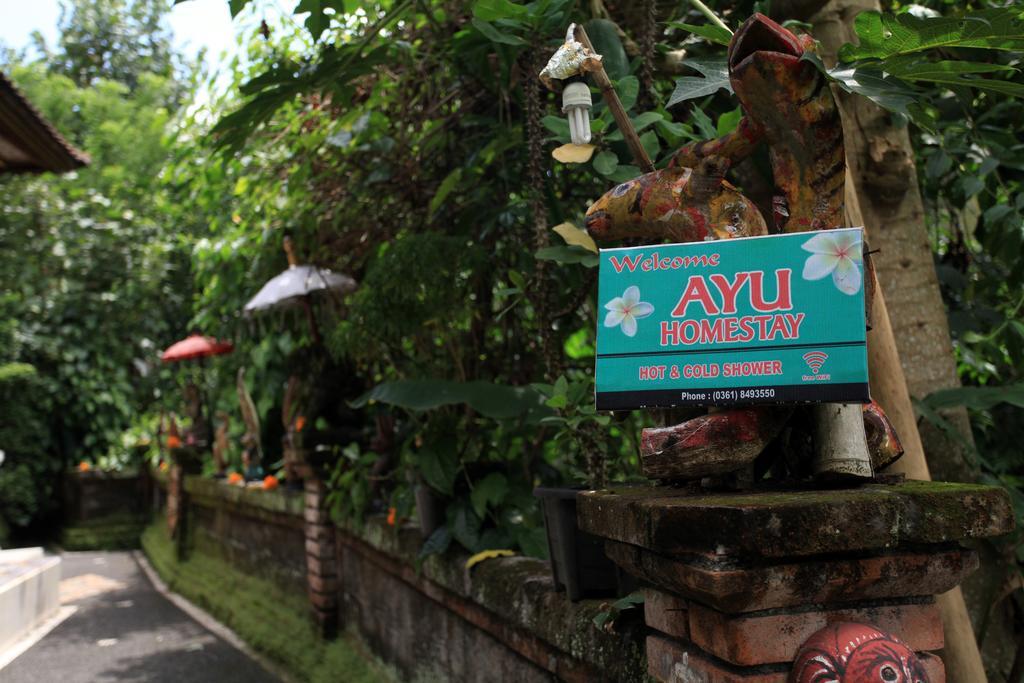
[196, 24]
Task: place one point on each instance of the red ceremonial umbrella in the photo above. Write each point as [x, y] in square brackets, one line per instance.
[191, 347]
[196, 346]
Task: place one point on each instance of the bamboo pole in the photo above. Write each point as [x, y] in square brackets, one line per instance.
[889, 389]
[611, 98]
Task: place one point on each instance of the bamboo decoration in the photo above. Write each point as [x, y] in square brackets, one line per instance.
[577, 57]
[611, 98]
[889, 388]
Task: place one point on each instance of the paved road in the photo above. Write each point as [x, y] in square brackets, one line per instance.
[124, 630]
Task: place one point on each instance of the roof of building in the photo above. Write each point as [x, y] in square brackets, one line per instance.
[28, 142]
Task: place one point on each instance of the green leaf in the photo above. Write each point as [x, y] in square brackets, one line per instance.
[704, 125]
[533, 542]
[970, 185]
[492, 10]
[605, 39]
[437, 543]
[646, 119]
[649, 141]
[632, 600]
[439, 465]
[715, 77]
[710, 32]
[886, 91]
[495, 35]
[317, 22]
[628, 89]
[557, 402]
[465, 525]
[235, 6]
[728, 121]
[568, 254]
[489, 491]
[557, 125]
[977, 398]
[886, 35]
[674, 133]
[624, 173]
[517, 279]
[491, 400]
[605, 163]
[938, 164]
[951, 73]
[444, 189]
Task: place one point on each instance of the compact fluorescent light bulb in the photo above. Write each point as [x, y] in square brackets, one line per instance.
[576, 104]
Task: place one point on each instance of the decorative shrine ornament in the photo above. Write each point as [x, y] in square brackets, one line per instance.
[856, 653]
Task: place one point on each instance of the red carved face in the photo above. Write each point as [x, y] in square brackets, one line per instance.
[856, 653]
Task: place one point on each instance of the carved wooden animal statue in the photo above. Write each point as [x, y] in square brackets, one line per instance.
[220, 442]
[789, 106]
[676, 203]
[252, 451]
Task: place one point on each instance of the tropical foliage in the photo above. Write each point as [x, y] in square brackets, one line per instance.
[409, 146]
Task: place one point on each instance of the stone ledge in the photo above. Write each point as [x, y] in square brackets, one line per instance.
[511, 598]
[770, 638]
[730, 588]
[252, 502]
[778, 524]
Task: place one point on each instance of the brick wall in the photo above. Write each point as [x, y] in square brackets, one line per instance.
[502, 621]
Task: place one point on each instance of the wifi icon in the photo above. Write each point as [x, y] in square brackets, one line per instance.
[814, 360]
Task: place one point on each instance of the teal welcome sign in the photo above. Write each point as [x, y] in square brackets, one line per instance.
[772, 319]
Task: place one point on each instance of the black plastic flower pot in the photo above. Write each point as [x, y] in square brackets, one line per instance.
[578, 562]
[429, 509]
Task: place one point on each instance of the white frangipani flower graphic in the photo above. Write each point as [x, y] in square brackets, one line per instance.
[625, 310]
[839, 253]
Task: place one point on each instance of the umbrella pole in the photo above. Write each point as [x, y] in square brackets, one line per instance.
[314, 329]
[206, 408]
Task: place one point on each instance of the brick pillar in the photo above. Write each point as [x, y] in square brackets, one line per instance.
[321, 561]
[739, 580]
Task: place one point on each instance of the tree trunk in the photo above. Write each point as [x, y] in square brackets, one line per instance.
[885, 197]
[889, 388]
[881, 163]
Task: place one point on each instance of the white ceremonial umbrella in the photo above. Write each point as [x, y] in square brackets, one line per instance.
[296, 282]
[294, 285]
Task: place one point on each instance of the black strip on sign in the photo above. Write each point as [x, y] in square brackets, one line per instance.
[849, 392]
[748, 349]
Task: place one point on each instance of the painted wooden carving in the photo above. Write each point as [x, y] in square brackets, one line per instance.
[788, 106]
[676, 203]
[856, 653]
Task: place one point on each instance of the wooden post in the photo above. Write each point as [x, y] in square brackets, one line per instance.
[889, 389]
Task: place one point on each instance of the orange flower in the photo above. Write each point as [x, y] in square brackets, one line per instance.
[392, 515]
[236, 478]
[300, 422]
[269, 482]
[84, 466]
[173, 441]
[164, 466]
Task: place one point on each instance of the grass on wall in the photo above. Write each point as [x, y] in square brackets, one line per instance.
[112, 532]
[272, 621]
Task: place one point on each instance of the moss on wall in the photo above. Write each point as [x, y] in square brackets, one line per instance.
[111, 532]
[272, 621]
